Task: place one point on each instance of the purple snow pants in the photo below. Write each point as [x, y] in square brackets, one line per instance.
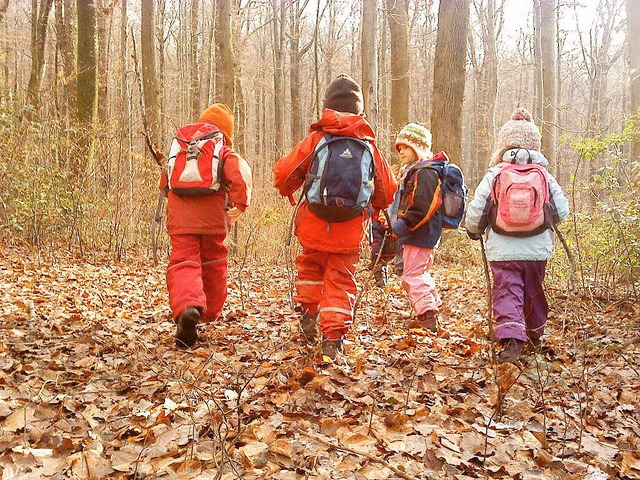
[520, 306]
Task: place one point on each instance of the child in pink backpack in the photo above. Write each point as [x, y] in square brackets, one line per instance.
[517, 258]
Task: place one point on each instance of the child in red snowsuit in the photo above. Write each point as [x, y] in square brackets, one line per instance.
[197, 226]
[325, 282]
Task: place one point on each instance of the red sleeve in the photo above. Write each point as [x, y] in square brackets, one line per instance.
[385, 185]
[290, 170]
[238, 174]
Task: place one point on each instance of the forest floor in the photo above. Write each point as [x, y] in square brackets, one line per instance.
[92, 386]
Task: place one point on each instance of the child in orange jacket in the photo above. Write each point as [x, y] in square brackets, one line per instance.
[325, 284]
[197, 226]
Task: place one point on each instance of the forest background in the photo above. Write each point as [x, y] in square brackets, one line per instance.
[91, 385]
[76, 77]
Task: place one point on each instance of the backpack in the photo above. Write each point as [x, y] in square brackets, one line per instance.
[339, 184]
[520, 203]
[194, 166]
[453, 191]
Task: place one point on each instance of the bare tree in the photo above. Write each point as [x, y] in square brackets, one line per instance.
[63, 14]
[39, 21]
[149, 74]
[87, 62]
[225, 72]
[449, 76]
[296, 12]
[278, 72]
[486, 84]
[369, 55]
[194, 89]
[398, 15]
[548, 47]
[633, 61]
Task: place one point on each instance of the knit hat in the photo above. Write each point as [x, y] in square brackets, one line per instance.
[418, 137]
[222, 117]
[344, 95]
[520, 131]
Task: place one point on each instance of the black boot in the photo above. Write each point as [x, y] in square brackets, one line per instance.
[511, 350]
[186, 333]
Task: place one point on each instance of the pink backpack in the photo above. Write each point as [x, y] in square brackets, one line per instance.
[520, 203]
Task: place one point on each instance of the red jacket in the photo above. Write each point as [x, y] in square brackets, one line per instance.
[290, 172]
[205, 215]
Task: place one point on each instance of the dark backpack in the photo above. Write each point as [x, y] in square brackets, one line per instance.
[452, 189]
[339, 184]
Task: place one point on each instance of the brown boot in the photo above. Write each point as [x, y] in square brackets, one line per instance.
[511, 350]
[428, 321]
[186, 333]
[331, 348]
[309, 325]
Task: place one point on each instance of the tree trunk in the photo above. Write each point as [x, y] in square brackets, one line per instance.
[278, 67]
[39, 22]
[295, 56]
[548, 46]
[633, 61]
[449, 75]
[369, 55]
[87, 62]
[194, 90]
[63, 42]
[4, 45]
[398, 12]
[487, 90]
[225, 71]
[538, 87]
[149, 74]
[103, 55]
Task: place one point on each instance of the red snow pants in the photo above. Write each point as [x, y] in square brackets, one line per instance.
[197, 274]
[326, 283]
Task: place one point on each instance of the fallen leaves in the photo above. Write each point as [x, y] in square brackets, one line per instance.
[91, 386]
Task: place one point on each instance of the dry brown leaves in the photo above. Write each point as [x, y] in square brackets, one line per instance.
[91, 385]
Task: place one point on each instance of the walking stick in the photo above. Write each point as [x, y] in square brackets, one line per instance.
[572, 260]
[487, 278]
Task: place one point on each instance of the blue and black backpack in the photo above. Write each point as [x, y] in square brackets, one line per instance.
[339, 184]
[452, 189]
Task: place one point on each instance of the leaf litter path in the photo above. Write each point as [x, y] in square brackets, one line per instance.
[91, 385]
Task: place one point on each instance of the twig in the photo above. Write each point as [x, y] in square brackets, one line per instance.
[368, 456]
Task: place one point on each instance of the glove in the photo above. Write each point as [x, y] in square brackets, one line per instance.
[474, 235]
[234, 213]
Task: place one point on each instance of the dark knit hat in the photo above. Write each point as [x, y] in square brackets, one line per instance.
[344, 95]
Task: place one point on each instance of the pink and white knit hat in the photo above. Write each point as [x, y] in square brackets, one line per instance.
[520, 131]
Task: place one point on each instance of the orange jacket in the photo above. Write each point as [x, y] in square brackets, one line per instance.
[290, 172]
[205, 215]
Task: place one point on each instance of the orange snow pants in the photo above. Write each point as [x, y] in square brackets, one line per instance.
[326, 284]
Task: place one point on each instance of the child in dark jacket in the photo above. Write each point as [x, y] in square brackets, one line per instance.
[325, 284]
[419, 223]
[197, 226]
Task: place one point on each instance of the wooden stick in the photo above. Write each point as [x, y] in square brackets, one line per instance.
[323, 440]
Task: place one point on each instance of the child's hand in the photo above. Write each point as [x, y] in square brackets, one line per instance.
[395, 169]
[234, 213]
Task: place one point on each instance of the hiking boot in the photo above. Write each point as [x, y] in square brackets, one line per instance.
[309, 326]
[186, 333]
[331, 348]
[428, 321]
[511, 350]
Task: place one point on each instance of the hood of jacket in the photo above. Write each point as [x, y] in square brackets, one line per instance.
[522, 157]
[344, 125]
